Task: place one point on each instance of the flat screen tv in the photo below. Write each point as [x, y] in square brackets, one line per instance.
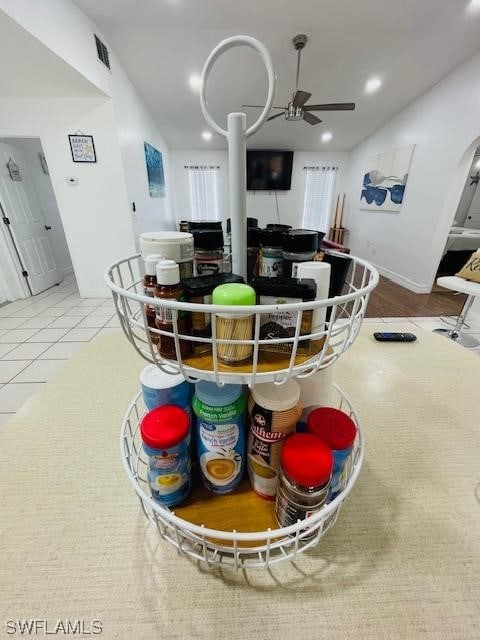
[269, 170]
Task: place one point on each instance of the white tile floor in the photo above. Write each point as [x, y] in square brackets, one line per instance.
[38, 335]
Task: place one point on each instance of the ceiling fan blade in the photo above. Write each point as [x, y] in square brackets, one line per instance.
[275, 116]
[334, 106]
[310, 118]
[260, 106]
[300, 98]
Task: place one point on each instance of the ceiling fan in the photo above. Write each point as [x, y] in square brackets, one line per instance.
[297, 109]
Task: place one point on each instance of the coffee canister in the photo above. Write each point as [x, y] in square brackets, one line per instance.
[165, 433]
[338, 431]
[315, 391]
[220, 434]
[172, 245]
[304, 478]
[159, 388]
[273, 411]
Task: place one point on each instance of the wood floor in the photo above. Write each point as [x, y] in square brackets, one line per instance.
[390, 300]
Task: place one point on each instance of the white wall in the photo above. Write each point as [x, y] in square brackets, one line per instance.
[466, 198]
[135, 126]
[30, 148]
[259, 205]
[444, 125]
[95, 213]
[64, 29]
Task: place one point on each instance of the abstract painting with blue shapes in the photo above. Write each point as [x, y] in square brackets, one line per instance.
[385, 180]
[156, 178]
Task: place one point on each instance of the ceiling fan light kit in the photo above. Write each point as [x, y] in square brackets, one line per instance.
[297, 109]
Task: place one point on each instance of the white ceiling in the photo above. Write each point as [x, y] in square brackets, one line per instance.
[29, 69]
[410, 44]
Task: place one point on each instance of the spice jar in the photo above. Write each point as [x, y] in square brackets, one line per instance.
[208, 251]
[253, 243]
[298, 246]
[234, 326]
[270, 257]
[149, 284]
[304, 478]
[168, 288]
[220, 434]
[199, 290]
[273, 411]
[338, 431]
[165, 433]
[200, 225]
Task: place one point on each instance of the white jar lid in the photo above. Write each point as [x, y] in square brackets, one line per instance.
[168, 272]
[174, 245]
[154, 378]
[276, 397]
[151, 263]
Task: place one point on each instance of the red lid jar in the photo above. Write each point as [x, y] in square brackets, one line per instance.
[306, 460]
[333, 426]
[165, 427]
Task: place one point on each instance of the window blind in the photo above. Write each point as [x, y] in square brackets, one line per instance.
[318, 198]
[203, 188]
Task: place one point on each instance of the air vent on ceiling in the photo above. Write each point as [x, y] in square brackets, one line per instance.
[102, 52]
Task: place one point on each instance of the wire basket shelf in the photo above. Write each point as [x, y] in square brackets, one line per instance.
[233, 549]
[300, 354]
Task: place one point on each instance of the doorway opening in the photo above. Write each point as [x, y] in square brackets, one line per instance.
[464, 235]
[32, 238]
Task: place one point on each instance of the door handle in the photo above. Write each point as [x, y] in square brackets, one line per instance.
[47, 228]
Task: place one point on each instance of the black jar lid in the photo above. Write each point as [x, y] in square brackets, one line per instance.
[205, 224]
[253, 236]
[251, 222]
[320, 237]
[300, 241]
[272, 237]
[207, 239]
[277, 225]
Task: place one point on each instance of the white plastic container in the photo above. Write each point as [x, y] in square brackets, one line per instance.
[172, 245]
[315, 391]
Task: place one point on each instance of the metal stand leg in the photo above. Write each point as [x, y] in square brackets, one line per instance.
[456, 333]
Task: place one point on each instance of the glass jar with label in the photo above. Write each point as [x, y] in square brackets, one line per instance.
[208, 251]
[299, 245]
[149, 285]
[220, 434]
[304, 478]
[168, 288]
[270, 256]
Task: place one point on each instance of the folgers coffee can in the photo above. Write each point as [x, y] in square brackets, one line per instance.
[304, 478]
[339, 432]
[273, 411]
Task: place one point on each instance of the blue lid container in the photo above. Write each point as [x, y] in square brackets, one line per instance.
[209, 393]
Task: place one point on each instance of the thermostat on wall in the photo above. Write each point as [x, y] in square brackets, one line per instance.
[72, 181]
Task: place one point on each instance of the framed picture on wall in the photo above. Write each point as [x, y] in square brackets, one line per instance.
[156, 177]
[82, 148]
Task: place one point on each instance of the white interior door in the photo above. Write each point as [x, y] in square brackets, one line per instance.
[21, 207]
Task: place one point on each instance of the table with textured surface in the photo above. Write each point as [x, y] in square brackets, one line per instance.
[402, 561]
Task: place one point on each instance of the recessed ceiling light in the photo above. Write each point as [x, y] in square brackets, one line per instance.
[477, 164]
[195, 81]
[373, 84]
[327, 136]
[206, 135]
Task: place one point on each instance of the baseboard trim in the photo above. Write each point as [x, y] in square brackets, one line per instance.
[95, 293]
[402, 280]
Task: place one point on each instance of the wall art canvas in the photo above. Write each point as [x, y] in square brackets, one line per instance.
[385, 180]
[82, 148]
[156, 178]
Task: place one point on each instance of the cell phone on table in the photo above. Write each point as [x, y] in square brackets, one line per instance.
[390, 336]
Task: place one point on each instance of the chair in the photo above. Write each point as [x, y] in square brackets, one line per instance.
[472, 289]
